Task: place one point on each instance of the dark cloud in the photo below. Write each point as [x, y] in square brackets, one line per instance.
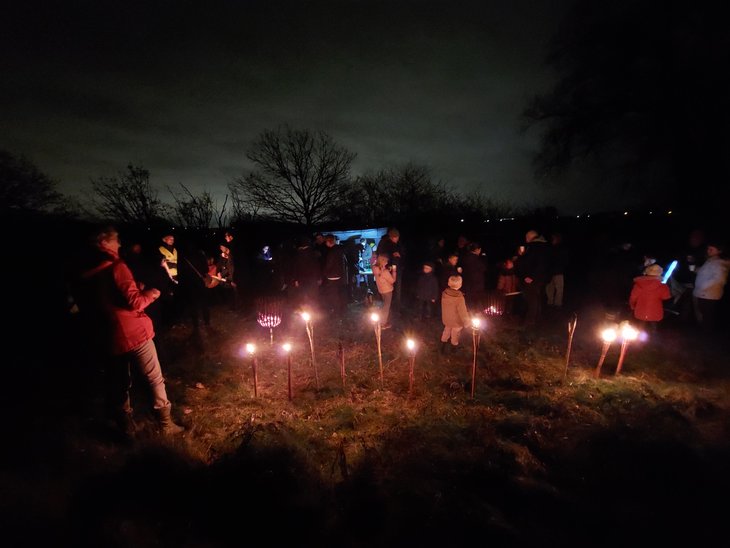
[182, 88]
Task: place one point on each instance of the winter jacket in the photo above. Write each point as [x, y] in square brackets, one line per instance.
[334, 268]
[389, 247]
[427, 287]
[304, 267]
[535, 263]
[646, 298]
[474, 274]
[115, 306]
[384, 279]
[453, 309]
[711, 279]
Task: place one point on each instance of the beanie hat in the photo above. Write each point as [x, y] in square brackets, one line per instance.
[653, 270]
[455, 282]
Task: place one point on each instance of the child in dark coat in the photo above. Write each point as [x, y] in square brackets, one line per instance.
[427, 291]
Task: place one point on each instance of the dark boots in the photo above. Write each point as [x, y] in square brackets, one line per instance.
[167, 426]
[126, 425]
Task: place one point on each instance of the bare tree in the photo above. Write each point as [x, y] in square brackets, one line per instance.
[300, 175]
[648, 109]
[477, 206]
[128, 197]
[23, 187]
[191, 210]
[220, 213]
[243, 207]
[406, 191]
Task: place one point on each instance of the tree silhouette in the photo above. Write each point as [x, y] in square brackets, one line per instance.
[641, 95]
[129, 197]
[300, 175]
[23, 187]
[193, 211]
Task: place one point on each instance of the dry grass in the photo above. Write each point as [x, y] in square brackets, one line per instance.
[536, 455]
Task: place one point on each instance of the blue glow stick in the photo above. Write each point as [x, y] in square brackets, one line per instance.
[669, 271]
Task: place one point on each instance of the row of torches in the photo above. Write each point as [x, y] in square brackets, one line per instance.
[250, 350]
[625, 332]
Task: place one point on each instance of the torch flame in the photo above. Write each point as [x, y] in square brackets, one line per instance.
[411, 344]
[250, 348]
[628, 332]
[286, 347]
[374, 317]
[475, 323]
[609, 335]
[306, 316]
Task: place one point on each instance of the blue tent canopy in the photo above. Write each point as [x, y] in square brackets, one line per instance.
[371, 234]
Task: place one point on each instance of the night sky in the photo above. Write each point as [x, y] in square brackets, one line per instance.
[182, 88]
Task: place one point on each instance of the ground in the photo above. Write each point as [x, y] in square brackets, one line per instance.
[541, 453]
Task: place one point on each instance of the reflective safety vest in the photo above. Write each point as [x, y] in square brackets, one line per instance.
[171, 257]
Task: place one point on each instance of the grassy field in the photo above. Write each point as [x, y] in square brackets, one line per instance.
[538, 455]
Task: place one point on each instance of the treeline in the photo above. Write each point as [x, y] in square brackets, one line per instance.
[300, 177]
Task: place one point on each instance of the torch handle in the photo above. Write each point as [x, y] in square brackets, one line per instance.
[604, 351]
[624, 345]
[255, 378]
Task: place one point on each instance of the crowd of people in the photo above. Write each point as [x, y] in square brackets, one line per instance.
[128, 292]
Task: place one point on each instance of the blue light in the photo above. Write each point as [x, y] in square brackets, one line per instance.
[669, 271]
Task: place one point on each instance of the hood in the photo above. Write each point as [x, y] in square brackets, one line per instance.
[452, 292]
[646, 282]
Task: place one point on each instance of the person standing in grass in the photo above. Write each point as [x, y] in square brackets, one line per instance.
[454, 314]
[709, 285]
[427, 291]
[648, 295]
[113, 305]
[385, 279]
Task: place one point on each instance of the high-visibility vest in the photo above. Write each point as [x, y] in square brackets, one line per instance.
[171, 257]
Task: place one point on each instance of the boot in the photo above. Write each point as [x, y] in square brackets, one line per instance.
[126, 425]
[167, 426]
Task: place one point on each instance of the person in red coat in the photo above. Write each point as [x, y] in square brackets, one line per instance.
[113, 304]
[648, 295]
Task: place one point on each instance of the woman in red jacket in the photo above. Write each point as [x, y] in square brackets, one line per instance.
[648, 295]
[114, 308]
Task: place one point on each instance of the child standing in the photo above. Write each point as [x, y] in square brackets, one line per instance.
[384, 275]
[647, 295]
[427, 291]
[453, 314]
[507, 283]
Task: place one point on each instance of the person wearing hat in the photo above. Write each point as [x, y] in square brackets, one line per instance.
[648, 295]
[710, 284]
[454, 314]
